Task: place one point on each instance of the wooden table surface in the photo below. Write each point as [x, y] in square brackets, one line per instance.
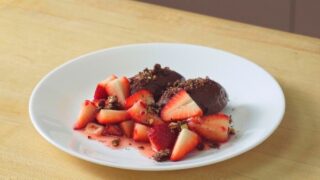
[38, 35]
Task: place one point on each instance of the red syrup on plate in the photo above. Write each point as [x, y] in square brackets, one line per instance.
[124, 142]
[143, 147]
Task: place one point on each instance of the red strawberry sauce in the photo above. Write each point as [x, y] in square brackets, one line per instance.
[144, 148]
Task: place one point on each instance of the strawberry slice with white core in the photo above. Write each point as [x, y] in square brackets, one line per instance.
[100, 92]
[139, 113]
[186, 142]
[93, 129]
[212, 127]
[140, 132]
[143, 95]
[181, 106]
[120, 88]
[127, 128]
[107, 116]
[86, 115]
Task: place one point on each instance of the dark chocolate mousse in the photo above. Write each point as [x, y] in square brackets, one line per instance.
[208, 94]
[155, 80]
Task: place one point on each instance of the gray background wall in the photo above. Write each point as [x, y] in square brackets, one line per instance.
[298, 16]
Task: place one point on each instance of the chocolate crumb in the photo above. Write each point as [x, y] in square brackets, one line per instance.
[141, 147]
[89, 137]
[130, 144]
[214, 145]
[162, 155]
[200, 146]
[115, 142]
[177, 126]
[232, 131]
[112, 103]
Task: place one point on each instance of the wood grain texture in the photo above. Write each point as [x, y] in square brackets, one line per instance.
[38, 35]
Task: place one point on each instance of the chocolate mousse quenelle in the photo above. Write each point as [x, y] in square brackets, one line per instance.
[154, 80]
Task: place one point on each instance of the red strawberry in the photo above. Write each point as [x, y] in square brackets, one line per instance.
[87, 114]
[100, 92]
[120, 88]
[212, 127]
[108, 79]
[141, 113]
[127, 128]
[180, 106]
[161, 137]
[106, 116]
[112, 129]
[140, 132]
[143, 95]
[93, 129]
[186, 142]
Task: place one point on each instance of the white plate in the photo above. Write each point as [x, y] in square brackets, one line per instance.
[256, 102]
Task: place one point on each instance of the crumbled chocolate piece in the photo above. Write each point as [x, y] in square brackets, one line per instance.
[232, 131]
[112, 103]
[177, 126]
[101, 104]
[115, 142]
[141, 147]
[89, 137]
[162, 155]
[200, 146]
[154, 108]
[214, 145]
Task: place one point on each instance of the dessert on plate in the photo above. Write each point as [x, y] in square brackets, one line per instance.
[159, 112]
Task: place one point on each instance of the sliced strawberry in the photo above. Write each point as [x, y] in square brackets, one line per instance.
[140, 132]
[100, 92]
[141, 113]
[107, 116]
[212, 127]
[161, 137]
[143, 95]
[87, 114]
[181, 106]
[93, 129]
[127, 128]
[186, 142]
[112, 129]
[108, 79]
[120, 88]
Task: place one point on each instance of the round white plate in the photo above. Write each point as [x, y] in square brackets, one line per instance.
[256, 102]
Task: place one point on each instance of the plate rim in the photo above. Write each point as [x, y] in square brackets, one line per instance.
[152, 168]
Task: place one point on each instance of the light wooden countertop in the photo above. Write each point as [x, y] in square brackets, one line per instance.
[38, 35]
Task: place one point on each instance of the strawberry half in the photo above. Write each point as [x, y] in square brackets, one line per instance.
[140, 113]
[107, 116]
[140, 132]
[127, 128]
[86, 115]
[120, 88]
[100, 92]
[181, 106]
[186, 142]
[112, 129]
[161, 137]
[143, 95]
[93, 129]
[212, 127]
